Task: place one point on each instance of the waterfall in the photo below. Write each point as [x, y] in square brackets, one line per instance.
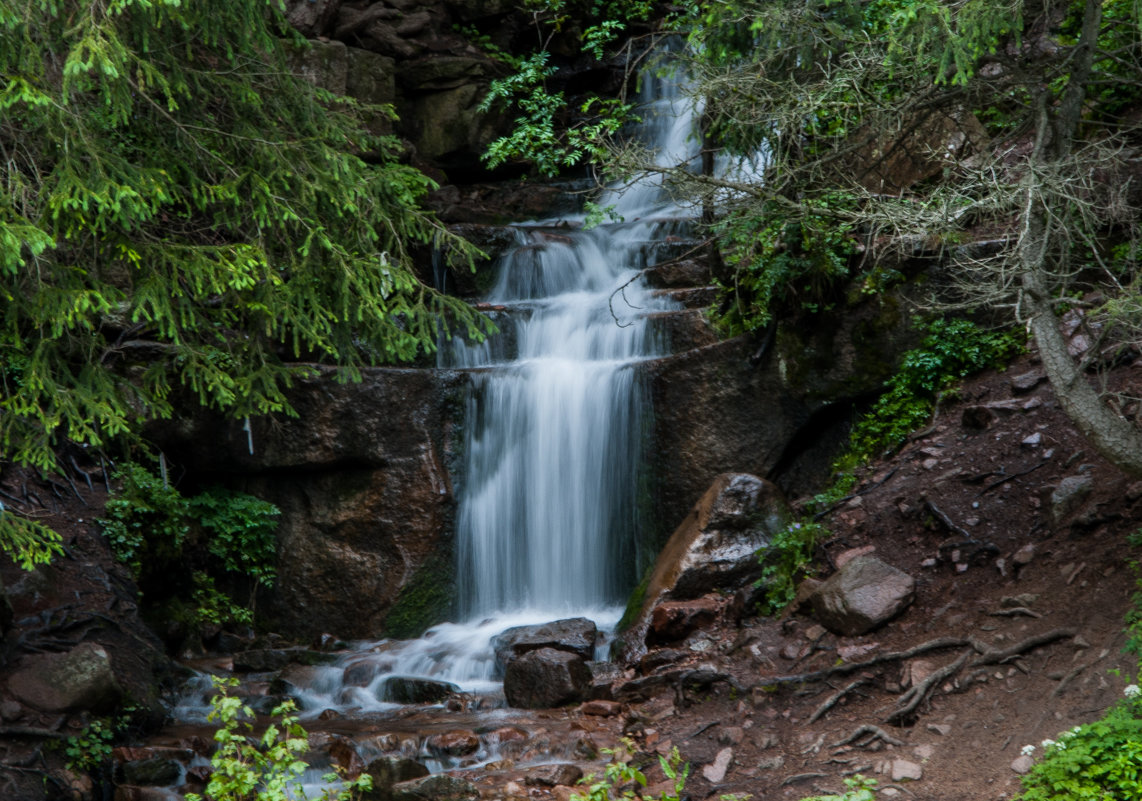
[548, 495]
[548, 505]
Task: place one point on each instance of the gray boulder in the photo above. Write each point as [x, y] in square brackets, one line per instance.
[410, 690]
[575, 635]
[546, 678]
[715, 548]
[861, 596]
[80, 679]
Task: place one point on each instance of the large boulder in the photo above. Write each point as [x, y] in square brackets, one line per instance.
[861, 596]
[546, 678]
[79, 679]
[715, 548]
[575, 635]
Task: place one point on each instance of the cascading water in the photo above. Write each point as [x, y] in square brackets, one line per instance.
[548, 495]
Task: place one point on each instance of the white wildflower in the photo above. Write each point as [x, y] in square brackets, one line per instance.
[1048, 743]
[1028, 750]
[1132, 691]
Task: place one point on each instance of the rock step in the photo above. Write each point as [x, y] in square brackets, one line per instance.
[691, 297]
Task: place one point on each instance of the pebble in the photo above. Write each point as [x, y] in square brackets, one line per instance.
[1022, 765]
[942, 729]
[903, 770]
[1024, 555]
[715, 772]
[771, 763]
[1033, 441]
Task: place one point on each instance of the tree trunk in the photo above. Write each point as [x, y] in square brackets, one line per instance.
[1111, 435]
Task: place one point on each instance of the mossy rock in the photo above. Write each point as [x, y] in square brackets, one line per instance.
[426, 599]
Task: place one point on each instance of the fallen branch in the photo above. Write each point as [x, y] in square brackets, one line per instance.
[801, 777]
[832, 700]
[1011, 477]
[918, 693]
[990, 656]
[940, 643]
[876, 733]
[1019, 610]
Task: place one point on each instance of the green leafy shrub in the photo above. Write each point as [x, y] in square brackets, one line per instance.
[92, 747]
[240, 531]
[780, 264]
[146, 519]
[266, 768]
[952, 350]
[159, 533]
[785, 560]
[621, 776]
[213, 607]
[860, 789]
[1093, 762]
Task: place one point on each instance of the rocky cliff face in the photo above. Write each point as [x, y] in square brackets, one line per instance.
[362, 477]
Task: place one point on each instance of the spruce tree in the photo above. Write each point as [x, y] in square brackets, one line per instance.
[183, 215]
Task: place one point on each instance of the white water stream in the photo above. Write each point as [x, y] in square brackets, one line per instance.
[547, 517]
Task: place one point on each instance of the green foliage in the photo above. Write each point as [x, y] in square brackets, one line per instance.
[181, 214]
[27, 542]
[547, 133]
[214, 607]
[92, 747]
[1093, 762]
[147, 520]
[860, 789]
[780, 264]
[265, 768]
[952, 350]
[156, 531]
[785, 561]
[538, 135]
[620, 777]
[240, 531]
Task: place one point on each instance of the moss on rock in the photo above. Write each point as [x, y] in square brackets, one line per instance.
[425, 600]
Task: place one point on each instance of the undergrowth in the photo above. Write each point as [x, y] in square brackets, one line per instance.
[265, 768]
[180, 547]
[951, 350]
[1102, 760]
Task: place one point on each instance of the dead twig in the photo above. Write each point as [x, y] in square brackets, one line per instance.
[918, 693]
[803, 777]
[832, 700]
[873, 732]
[1019, 610]
[1000, 482]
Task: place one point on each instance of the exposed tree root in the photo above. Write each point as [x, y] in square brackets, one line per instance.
[911, 700]
[832, 700]
[873, 733]
[998, 656]
[852, 667]
[1019, 610]
[803, 777]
